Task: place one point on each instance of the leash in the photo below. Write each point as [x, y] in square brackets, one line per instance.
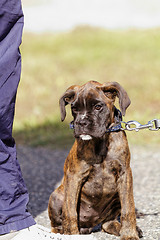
[153, 125]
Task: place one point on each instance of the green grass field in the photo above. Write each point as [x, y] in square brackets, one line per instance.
[53, 62]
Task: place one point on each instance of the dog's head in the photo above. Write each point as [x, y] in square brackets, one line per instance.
[92, 107]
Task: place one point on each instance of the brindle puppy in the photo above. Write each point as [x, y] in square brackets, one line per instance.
[97, 184]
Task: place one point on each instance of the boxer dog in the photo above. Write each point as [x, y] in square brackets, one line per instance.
[97, 186]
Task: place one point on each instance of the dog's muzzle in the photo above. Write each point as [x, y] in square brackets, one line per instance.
[82, 136]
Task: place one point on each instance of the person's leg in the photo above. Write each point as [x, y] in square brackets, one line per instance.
[13, 193]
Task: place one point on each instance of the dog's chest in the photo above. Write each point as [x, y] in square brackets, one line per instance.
[102, 180]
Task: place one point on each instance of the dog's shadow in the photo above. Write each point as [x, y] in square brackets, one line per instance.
[42, 170]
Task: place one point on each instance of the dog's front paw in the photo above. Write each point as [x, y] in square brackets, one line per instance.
[129, 238]
[127, 233]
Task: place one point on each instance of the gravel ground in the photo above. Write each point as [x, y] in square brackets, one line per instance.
[43, 169]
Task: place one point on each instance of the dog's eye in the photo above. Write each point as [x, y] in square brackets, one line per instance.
[98, 107]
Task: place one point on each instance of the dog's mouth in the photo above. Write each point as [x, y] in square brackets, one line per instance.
[85, 137]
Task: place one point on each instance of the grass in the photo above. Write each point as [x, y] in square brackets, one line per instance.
[48, 134]
[53, 62]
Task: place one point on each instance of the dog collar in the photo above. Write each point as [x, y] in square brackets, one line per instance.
[71, 125]
[118, 119]
[116, 128]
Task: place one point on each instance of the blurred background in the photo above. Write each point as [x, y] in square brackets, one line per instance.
[68, 42]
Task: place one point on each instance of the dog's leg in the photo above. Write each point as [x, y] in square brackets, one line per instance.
[55, 210]
[69, 210]
[112, 227]
[74, 181]
[128, 217]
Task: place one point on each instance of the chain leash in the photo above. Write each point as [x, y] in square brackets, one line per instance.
[153, 125]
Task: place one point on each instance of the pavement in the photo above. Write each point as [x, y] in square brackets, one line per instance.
[43, 169]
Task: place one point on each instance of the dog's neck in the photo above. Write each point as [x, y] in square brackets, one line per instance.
[92, 151]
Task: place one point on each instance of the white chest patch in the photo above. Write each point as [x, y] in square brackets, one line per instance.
[85, 137]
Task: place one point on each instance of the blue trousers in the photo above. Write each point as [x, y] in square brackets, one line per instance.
[13, 193]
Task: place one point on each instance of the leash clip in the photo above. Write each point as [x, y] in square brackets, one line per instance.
[153, 125]
[134, 125]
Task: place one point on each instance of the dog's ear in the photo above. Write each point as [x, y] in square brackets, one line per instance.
[67, 98]
[113, 90]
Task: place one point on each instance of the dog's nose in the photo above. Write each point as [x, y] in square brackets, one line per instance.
[83, 122]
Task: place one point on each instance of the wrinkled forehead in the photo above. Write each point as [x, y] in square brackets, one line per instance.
[88, 96]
